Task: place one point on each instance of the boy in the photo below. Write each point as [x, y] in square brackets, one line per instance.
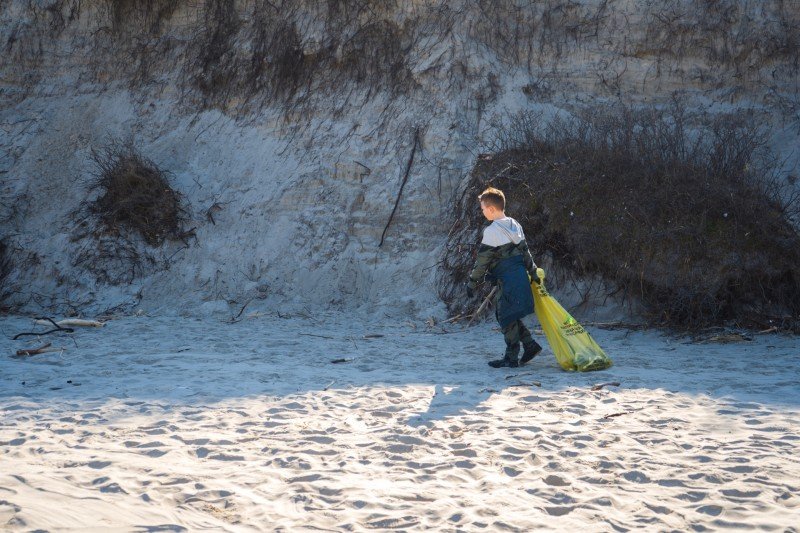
[504, 258]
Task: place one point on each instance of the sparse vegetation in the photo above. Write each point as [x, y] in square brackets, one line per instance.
[135, 210]
[240, 56]
[5, 270]
[684, 214]
[732, 33]
[214, 66]
[288, 51]
[135, 195]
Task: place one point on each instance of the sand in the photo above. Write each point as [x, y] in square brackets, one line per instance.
[176, 424]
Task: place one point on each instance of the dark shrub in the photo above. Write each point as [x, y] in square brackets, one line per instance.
[135, 196]
[684, 214]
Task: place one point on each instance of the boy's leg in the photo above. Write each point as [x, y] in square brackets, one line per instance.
[512, 336]
[532, 348]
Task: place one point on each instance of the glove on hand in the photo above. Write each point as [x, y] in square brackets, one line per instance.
[534, 277]
[470, 292]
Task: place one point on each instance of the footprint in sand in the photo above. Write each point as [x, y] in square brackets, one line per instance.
[533, 460]
[556, 481]
[635, 476]
[659, 509]
[150, 449]
[105, 485]
[397, 448]
[734, 493]
[226, 457]
[742, 469]
[711, 510]
[410, 440]
[692, 496]
[671, 483]
[559, 511]
[155, 453]
[305, 479]
[321, 440]
[394, 523]
[465, 452]
[561, 499]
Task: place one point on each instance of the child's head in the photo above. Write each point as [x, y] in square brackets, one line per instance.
[493, 203]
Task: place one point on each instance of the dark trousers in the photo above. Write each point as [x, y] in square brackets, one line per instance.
[515, 333]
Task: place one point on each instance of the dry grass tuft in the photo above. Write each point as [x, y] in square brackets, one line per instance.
[135, 195]
[135, 211]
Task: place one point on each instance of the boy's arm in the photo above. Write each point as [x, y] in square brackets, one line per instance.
[527, 258]
[486, 254]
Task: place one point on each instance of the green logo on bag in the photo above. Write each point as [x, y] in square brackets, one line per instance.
[571, 327]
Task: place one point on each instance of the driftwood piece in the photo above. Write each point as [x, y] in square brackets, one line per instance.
[482, 307]
[454, 319]
[617, 414]
[613, 415]
[609, 384]
[526, 384]
[236, 318]
[727, 338]
[75, 322]
[520, 374]
[44, 320]
[41, 349]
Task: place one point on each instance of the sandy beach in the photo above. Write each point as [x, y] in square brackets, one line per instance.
[175, 424]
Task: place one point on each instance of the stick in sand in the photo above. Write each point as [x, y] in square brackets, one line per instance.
[609, 384]
[39, 334]
[480, 310]
[41, 349]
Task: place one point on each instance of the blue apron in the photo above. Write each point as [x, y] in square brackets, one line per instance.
[516, 299]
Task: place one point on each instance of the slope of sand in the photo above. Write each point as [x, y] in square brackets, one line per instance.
[173, 424]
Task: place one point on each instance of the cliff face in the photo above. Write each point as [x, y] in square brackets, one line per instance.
[290, 129]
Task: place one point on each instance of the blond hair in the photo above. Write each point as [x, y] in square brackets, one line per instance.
[493, 197]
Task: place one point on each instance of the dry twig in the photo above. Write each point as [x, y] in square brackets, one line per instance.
[402, 185]
[483, 306]
[41, 349]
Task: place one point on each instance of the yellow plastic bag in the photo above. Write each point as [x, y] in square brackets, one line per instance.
[573, 347]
